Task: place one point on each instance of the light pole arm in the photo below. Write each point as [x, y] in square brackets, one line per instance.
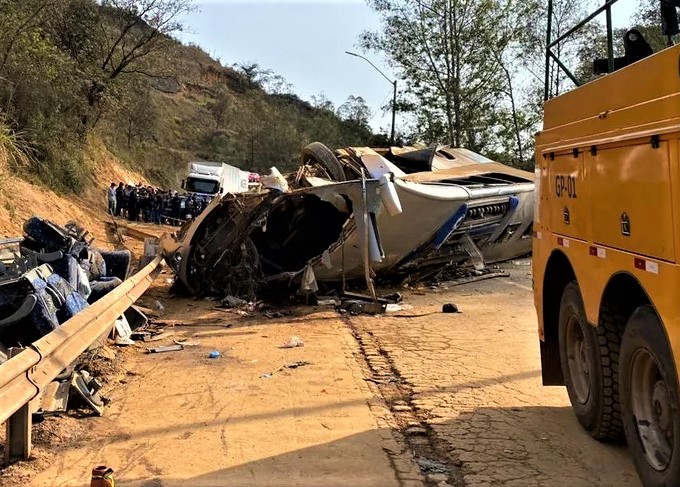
[369, 62]
[392, 82]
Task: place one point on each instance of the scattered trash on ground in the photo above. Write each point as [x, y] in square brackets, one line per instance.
[395, 298]
[159, 336]
[293, 343]
[292, 365]
[233, 302]
[169, 348]
[357, 307]
[469, 278]
[54, 399]
[214, 354]
[295, 365]
[450, 308]
[159, 306]
[273, 314]
[123, 341]
[88, 388]
[393, 308]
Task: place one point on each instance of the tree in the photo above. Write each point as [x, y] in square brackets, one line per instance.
[647, 19]
[113, 39]
[265, 79]
[355, 110]
[16, 21]
[135, 112]
[322, 102]
[454, 60]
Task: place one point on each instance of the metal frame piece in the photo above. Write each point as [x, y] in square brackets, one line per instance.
[549, 55]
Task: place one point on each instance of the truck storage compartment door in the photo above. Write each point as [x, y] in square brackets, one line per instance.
[631, 199]
[568, 196]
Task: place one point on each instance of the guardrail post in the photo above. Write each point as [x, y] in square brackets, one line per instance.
[18, 429]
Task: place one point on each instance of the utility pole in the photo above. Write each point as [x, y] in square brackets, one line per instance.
[394, 96]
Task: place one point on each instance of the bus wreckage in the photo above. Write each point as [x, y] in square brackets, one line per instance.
[358, 213]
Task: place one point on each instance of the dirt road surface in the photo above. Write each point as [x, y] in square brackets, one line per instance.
[440, 399]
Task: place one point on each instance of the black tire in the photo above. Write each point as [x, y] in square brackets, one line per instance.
[323, 156]
[588, 368]
[650, 404]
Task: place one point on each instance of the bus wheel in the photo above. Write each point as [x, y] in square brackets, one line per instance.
[588, 373]
[319, 154]
[650, 403]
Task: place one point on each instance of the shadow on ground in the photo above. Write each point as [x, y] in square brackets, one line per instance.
[543, 446]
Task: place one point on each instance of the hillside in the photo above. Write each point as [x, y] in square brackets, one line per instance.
[80, 78]
[19, 199]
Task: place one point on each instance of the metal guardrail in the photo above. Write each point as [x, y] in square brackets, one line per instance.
[23, 376]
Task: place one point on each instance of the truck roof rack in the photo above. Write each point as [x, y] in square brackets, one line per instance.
[636, 47]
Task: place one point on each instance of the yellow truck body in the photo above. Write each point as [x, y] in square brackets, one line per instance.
[608, 222]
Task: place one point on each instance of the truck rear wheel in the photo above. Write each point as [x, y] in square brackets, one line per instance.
[319, 154]
[650, 402]
[588, 370]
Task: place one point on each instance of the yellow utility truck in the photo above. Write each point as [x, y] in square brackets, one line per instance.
[607, 245]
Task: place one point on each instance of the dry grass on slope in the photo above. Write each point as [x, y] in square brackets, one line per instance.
[19, 199]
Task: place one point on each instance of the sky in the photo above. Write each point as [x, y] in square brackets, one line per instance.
[305, 42]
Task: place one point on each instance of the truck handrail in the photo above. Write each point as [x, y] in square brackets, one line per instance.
[550, 55]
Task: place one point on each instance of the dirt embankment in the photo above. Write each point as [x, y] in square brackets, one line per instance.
[19, 199]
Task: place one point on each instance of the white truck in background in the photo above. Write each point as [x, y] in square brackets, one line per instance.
[210, 179]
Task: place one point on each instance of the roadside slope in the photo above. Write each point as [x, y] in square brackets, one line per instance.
[20, 199]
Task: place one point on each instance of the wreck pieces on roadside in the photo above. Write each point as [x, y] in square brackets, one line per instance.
[49, 275]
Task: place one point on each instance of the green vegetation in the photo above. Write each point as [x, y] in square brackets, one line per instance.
[81, 73]
[73, 72]
[472, 71]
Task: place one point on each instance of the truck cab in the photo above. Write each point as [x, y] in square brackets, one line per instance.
[203, 185]
[210, 179]
[606, 247]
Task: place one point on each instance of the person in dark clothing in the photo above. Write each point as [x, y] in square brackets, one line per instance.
[190, 208]
[133, 208]
[175, 209]
[120, 199]
[157, 208]
[111, 197]
[143, 203]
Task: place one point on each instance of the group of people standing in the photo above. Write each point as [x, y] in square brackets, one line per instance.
[153, 205]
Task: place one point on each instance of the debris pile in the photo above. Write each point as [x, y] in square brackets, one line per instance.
[48, 276]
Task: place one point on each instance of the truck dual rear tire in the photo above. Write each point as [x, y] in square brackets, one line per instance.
[649, 400]
[589, 359]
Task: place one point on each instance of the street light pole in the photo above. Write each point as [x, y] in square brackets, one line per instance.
[394, 110]
[394, 85]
